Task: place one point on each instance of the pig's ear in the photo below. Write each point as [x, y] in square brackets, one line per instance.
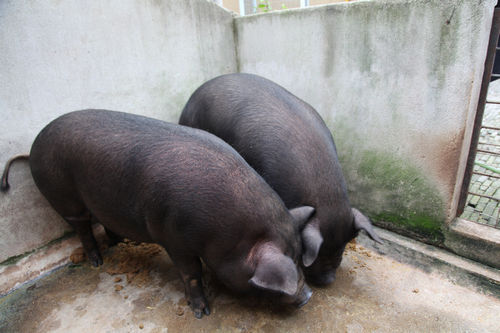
[275, 271]
[362, 222]
[310, 234]
[301, 215]
[311, 242]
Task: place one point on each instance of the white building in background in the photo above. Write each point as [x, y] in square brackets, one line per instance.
[246, 7]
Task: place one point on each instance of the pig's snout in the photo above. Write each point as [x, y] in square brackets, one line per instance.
[304, 296]
[299, 299]
[322, 272]
[323, 278]
[326, 278]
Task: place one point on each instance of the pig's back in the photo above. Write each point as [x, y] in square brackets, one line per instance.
[280, 136]
[131, 171]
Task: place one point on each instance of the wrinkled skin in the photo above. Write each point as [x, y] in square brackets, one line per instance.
[180, 187]
[285, 140]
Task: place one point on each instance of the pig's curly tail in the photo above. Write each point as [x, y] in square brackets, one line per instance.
[5, 176]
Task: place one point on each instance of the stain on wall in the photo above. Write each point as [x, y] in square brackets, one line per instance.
[397, 83]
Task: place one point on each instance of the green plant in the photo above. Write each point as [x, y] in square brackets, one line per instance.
[264, 6]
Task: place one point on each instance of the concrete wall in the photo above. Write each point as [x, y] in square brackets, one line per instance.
[396, 81]
[143, 57]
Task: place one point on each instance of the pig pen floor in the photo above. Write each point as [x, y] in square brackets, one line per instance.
[137, 290]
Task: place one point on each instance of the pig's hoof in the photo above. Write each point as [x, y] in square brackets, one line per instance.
[200, 307]
[95, 258]
[199, 313]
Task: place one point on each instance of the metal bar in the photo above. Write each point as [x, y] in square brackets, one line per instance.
[491, 127]
[485, 174]
[488, 152]
[484, 196]
[484, 214]
[492, 102]
[498, 219]
[492, 221]
[488, 67]
[495, 75]
[488, 144]
[487, 167]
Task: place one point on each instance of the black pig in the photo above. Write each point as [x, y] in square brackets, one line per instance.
[183, 188]
[285, 140]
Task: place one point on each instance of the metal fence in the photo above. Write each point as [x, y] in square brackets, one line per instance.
[480, 196]
[483, 200]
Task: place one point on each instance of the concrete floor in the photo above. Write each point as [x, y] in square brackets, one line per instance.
[137, 290]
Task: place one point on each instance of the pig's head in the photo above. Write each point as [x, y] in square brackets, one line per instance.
[324, 243]
[272, 265]
[278, 274]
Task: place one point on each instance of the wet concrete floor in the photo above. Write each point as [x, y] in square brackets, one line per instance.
[138, 290]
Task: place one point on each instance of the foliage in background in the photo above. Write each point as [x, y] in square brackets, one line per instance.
[264, 6]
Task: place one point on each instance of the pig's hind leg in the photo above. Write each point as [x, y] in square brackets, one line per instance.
[58, 187]
[83, 227]
[113, 238]
[190, 270]
[74, 211]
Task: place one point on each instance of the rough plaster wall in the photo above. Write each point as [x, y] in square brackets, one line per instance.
[396, 81]
[143, 57]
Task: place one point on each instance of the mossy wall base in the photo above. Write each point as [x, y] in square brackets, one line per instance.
[394, 194]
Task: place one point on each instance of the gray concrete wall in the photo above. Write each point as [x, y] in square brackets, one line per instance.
[142, 57]
[396, 81]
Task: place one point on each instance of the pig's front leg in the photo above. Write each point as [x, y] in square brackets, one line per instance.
[190, 271]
